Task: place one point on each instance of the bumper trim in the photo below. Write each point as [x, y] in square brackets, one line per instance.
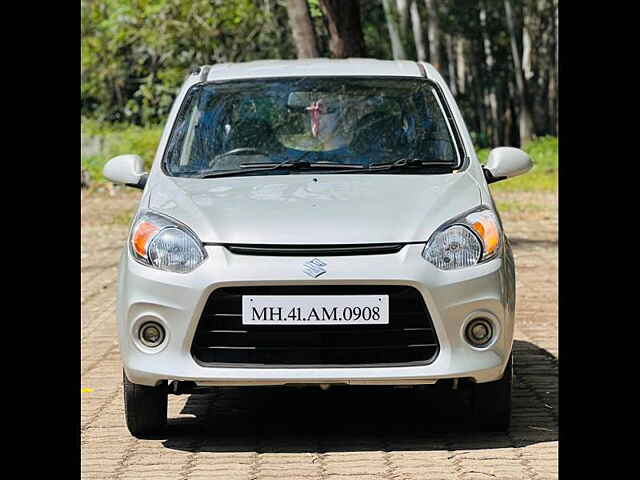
[249, 383]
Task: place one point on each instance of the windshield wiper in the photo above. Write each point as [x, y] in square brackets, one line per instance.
[287, 164]
[303, 164]
[412, 163]
[300, 164]
[254, 167]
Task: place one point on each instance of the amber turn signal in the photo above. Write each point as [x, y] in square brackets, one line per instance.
[487, 229]
[142, 235]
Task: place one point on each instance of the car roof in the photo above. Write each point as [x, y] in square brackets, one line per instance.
[313, 67]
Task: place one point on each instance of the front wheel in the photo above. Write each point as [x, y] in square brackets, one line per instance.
[145, 408]
[492, 402]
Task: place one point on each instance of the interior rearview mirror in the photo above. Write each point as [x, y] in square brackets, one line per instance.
[126, 169]
[506, 162]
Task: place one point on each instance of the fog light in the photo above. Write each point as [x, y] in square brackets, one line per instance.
[151, 334]
[479, 332]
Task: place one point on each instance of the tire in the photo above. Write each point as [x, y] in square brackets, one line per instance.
[492, 402]
[145, 408]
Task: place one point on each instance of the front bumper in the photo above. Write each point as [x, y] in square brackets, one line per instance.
[177, 300]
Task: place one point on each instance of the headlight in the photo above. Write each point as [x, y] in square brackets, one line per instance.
[465, 241]
[166, 244]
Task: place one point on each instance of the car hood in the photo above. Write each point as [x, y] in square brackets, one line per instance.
[301, 209]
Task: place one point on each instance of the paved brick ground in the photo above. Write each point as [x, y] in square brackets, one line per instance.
[339, 434]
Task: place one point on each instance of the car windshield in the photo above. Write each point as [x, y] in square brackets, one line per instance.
[358, 123]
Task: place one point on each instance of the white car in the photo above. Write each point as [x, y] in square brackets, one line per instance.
[316, 222]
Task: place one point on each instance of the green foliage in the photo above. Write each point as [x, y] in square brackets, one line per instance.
[544, 174]
[94, 165]
[136, 53]
[519, 207]
[314, 9]
[374, 30]
[119, 139]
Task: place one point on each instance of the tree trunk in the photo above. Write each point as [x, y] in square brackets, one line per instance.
[397, 46]
[477, 93]
[511, 132]
[403, 15]
[541, 65]
[418, 36]
[553, 78]
[500, 108]
[526, 50]
[461, 70]
[433, 33]
[403, 7]
[451, 63]
[489, 61]
[304, 36]
[525, 120]
[345, 29]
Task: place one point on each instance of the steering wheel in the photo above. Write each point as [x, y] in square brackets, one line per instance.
[238, 151]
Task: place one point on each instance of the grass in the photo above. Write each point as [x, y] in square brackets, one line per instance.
[544, 174]
[514, 206]
[143, 141]
[124, 217]
[118, 140]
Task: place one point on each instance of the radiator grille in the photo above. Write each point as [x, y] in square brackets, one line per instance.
[222, 340]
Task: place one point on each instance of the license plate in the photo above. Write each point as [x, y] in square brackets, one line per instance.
[315, 310]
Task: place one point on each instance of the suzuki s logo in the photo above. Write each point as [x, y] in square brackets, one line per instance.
[313, 268]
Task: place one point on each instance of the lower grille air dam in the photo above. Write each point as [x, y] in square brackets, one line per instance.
[222, 340]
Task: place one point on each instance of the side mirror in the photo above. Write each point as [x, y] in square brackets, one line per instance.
[506, 162]
[127, 169]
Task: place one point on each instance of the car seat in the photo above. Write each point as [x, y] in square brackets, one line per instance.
[252, 132]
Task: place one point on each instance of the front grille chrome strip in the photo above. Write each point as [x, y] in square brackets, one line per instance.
[314, 250]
